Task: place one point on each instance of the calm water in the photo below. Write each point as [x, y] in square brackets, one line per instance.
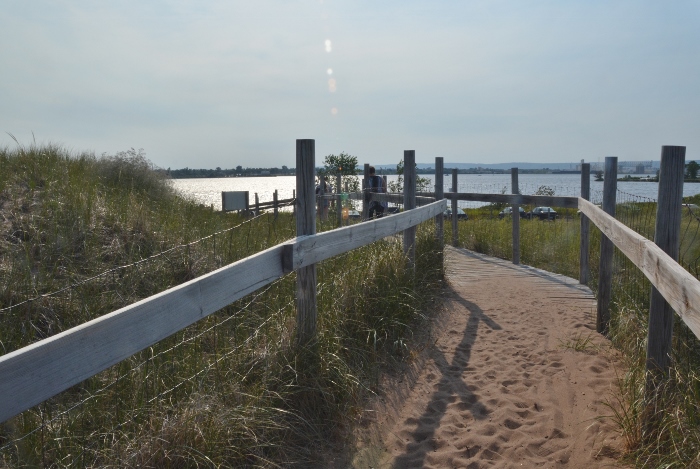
[208, 191]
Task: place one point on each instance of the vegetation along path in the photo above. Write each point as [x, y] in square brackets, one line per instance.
[517, 377]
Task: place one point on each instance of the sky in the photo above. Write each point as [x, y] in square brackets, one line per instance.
[222, 83]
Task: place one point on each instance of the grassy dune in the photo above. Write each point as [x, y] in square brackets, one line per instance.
[83, 236]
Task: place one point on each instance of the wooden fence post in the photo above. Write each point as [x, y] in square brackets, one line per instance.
[320, 200]
[455, 227]
[257, 205]
[365, 193]
[606, 248]
[294, 204]
[409, 203]
[306, 225]
[439, 195]
[667, 237]
[274, 203]
[339, 201]
[583, 270]
[515, 216]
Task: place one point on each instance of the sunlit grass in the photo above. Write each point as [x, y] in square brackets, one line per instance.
[95, 234]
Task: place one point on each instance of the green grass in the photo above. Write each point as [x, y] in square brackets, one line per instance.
[233, 390]
[544, 244]
[578, 343]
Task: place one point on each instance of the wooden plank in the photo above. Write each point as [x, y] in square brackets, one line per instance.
[39, 371]
[409, 203]
[584, 248]
[306, 225]
[439, 195]
[515, 216]
[667, 237]
[271, 204]
[675, 284]
[519, 199]
[339, 202]
[309, 250]
[606, 248]
[365, 193]
[398, 198]
[455, 206]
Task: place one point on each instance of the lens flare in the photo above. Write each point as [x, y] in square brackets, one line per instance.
[331, 85]
[334, 111]
[329, 71]
[328, 45]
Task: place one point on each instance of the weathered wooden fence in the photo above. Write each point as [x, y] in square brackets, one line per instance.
[37, 372]
[673, 287]
[240, 201]
[31, 375]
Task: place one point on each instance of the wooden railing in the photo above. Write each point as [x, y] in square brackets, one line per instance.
[31, 375]
[37, 372]
[673, 287]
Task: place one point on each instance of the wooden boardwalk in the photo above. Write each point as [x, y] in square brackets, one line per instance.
[517, 377]
[464, 266]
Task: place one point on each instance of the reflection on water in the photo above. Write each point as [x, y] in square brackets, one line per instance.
[208, 191]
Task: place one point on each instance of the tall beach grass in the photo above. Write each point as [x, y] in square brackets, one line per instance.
[85, 235]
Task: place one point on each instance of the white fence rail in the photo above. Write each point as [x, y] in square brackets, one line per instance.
[32, 374]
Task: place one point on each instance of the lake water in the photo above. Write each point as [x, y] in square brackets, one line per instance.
[208, 191]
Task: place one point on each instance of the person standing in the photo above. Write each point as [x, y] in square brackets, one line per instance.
[323, 190]
[375, 184]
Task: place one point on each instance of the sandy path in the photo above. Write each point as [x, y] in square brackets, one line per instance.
[499, 388]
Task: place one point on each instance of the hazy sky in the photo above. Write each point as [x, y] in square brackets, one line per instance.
[225, 83]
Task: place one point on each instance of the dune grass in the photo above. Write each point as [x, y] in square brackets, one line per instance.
[85, 235]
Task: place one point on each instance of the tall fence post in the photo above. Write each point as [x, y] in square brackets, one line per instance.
[583, 268]
[439, 195]
[257, 205]
[365, 193]
[606, 248]
[455, 227]
[516, 216]
[667, 237]
[322, 201]
[338, 201]
[409, 203]
[306, 225]
[274, 203]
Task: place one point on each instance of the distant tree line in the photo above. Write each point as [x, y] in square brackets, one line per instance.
[238, 171]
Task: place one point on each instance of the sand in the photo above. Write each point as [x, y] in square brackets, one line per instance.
[502, 384]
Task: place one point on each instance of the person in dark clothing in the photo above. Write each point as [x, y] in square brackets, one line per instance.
[323, 188]
[375, 184]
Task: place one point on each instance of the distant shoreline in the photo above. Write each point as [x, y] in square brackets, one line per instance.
[650, 179]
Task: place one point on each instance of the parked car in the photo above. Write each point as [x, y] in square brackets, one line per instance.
[460, 214]
[506, 213]
[544, 213]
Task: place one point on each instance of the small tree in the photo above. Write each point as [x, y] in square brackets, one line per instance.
[422, 184]
[342, 165]
[691, 170]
